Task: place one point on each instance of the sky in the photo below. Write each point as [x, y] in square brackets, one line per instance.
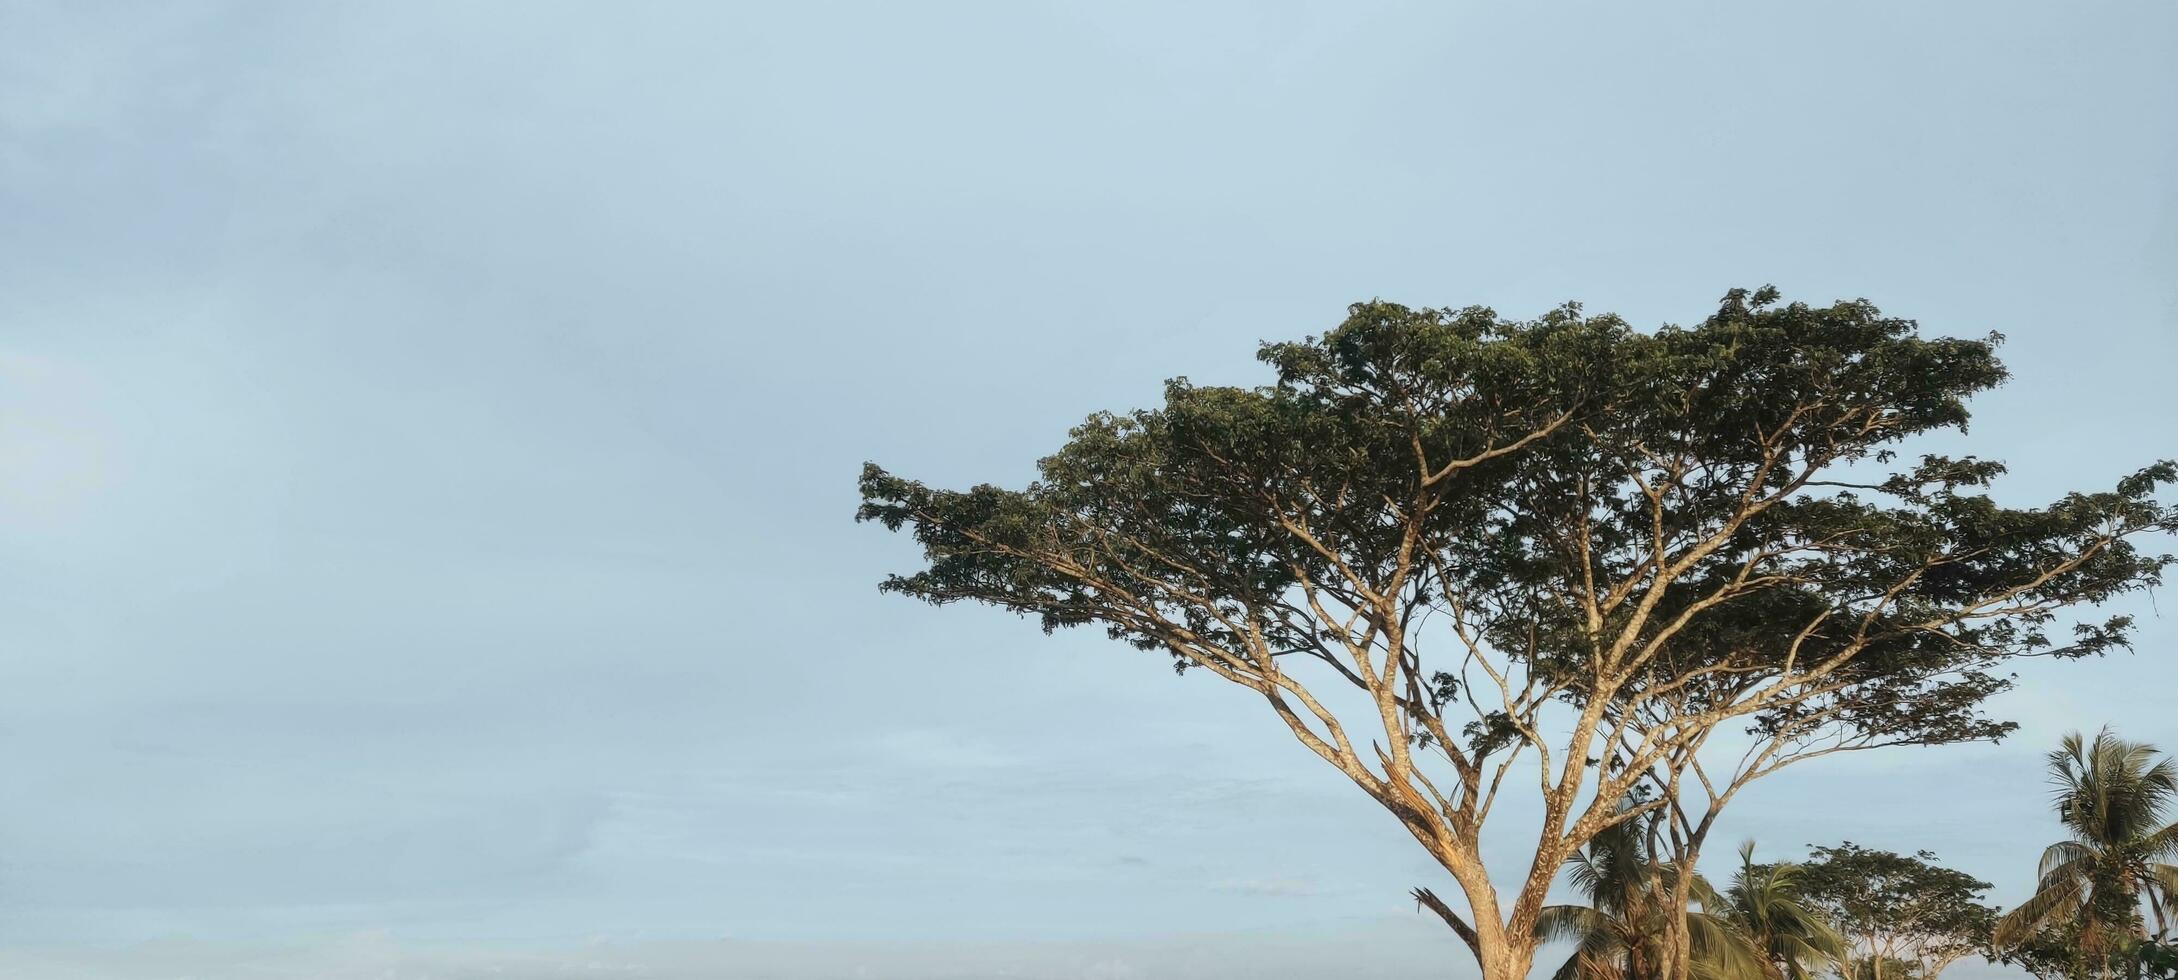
[428, 435]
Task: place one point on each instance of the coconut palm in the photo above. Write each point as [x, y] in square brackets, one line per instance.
[1616, 933]
[1795, 940]
[2113, 795]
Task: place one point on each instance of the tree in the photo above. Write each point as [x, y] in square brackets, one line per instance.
[1768, 904]
[2114, 797]
[1617, 934]
[1883, 968]
[1560, 542]
[2158, 960]
[1897, 908]
[2056, 952]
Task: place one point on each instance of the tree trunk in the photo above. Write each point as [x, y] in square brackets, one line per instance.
[1505, 959]
[1678, 940]
[1678, 951]
[1675, 947]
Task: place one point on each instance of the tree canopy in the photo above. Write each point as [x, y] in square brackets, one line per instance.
[1899, 907]
[1563, 540]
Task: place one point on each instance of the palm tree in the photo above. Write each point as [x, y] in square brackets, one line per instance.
[1765, 905]
[1616, 932]
[2113, 796]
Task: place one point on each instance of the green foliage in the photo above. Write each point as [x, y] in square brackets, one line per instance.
[2114, 797]
[2157, 961]
[1899, 906]
[2060, 953]
[1454, 456]
[1477, 522]
[1618, 934]
[2067, 950]
[1769, 905]
[1884, 968]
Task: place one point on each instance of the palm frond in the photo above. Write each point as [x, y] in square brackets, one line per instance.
[1721, 951]
[1600, 956]
[2067, 857]
[2060, 895]
[2159, 844]
[1570, 923]
[1584, 875]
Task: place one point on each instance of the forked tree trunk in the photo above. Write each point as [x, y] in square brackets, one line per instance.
[1678, 942]
[1504, 951]
[1506, 961]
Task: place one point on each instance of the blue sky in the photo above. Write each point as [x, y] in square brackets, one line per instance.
[429, 434]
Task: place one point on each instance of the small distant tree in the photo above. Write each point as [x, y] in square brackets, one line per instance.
[2060, 952]
[1882, 968]
[1441, 544]
[1898, 908]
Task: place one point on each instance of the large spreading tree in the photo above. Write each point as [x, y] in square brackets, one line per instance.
[1446, 548]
